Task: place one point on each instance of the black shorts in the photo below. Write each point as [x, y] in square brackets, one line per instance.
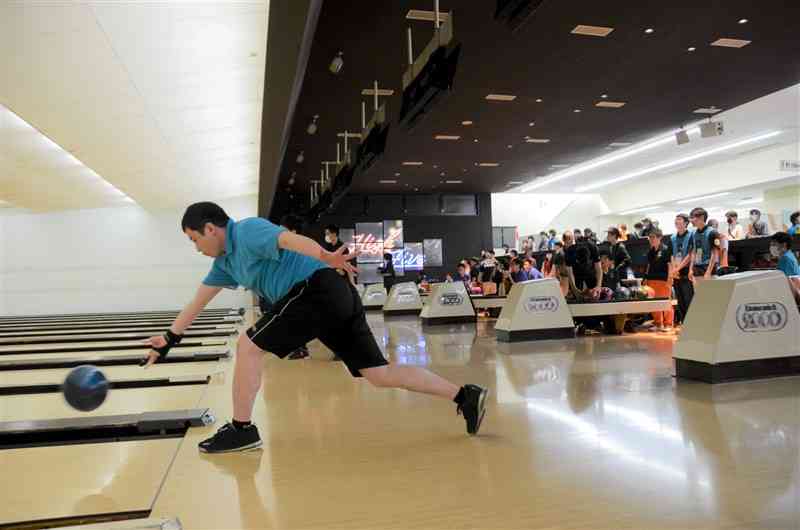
[700, 270]
[326, 307]
[585, 282]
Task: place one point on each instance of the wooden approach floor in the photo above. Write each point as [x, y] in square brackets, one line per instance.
[592, 433]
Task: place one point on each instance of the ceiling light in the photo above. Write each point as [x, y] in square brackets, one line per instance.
[743, 21]
[500, 97]
[559, 166]
[604, 96]
[454, 181]
[489, 164]
[731, 43]
[515, 183]
[619, 144]
[466, 122]
[640, 210]
[610, 104]
[658, 142]
[679, 161]
[531, 124]
[425, 16]
[381, 92]
[336, 64]
[397, 174]
[691, 48]
[649, 31]
[591, 31]
[312, 127]
[412, 163]
[441, 174]
[446, 137]
[707, 110]
[300, 157]
[576, 110]
[537, 140]
[696, 199]
[387, 181]
[752, 201]
[475, 140]
[510, 146]
[539, 100]
[435, 166]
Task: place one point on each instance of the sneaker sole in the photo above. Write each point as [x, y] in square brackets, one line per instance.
[481, 409]
[250, 447]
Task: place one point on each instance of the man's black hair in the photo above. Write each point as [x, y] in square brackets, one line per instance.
[699, 212]
[782, 238]
[200, 213]
[794, 217]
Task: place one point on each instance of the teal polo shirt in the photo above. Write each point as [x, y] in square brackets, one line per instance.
[253, 260]
[788, 264]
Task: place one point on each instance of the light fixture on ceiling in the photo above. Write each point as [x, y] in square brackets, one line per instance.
[537, 140]
[489, 164]
[500, 97]
[292, 179]
[679, 161]
[743, 21]
[731, 43]
[682, 137]
[752, 201]
[312, 127]
[591, 31]
[691, 48]
[475, 140]
[387, 181]
[397, 174]
[539, 100]
[619, 144]
[641, 210]
[707, 110]
[576, 110]
[412, 163]
[514, 183]
[531, 124]
[466, 122]
[441, 174]
[336, 64]
[510, 146]
[610, 104]
[703, 197]
[301, 157]
[446, 137]
[559, 166]
[649, 31]
[435, 166]
[454, 181]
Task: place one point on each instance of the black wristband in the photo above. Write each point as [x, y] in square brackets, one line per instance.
[172, 339]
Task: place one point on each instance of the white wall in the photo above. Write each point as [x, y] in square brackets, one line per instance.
[104, 260]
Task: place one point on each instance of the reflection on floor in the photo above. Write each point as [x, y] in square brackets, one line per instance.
[586, 433]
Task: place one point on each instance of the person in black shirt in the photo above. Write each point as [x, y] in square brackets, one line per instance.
[387, 271]
[658, 276]
[610, 275]
[681, 245]
[619, 254]
[583, 265]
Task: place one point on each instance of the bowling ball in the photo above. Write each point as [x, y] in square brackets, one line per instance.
[85, 388]
[622, 294]
[606, 294]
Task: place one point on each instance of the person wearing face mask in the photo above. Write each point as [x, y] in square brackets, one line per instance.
[707, 244]
[682, 247]
[735, 230]
[780, 247]
[723, 238]
[794, 219]
[757, 227]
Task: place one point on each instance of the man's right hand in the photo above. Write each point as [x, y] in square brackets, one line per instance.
[152, 356]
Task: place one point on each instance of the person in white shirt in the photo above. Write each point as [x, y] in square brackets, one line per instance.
[735, 230]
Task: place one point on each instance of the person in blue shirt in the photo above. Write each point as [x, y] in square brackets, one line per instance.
[308, 300]
[794, 219]
[780, 246]
[706, 246]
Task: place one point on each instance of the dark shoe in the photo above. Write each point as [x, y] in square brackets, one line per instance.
[299, 353]
[474, 407]
[229, 439]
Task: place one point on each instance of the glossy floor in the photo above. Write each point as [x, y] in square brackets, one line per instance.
[588, 433]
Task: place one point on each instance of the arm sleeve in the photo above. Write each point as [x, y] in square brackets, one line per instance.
[217, 277]
[260, 238]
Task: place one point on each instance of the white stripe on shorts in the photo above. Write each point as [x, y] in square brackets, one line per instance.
[271, 320]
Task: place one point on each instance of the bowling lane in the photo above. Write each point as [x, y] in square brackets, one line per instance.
[113, 315]
[94, 347]
[82, 480]
[34, 407]
[150, 331]
[103, 354]
[155, 329]
[111, 323]
[107, 337]
[115, 373]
